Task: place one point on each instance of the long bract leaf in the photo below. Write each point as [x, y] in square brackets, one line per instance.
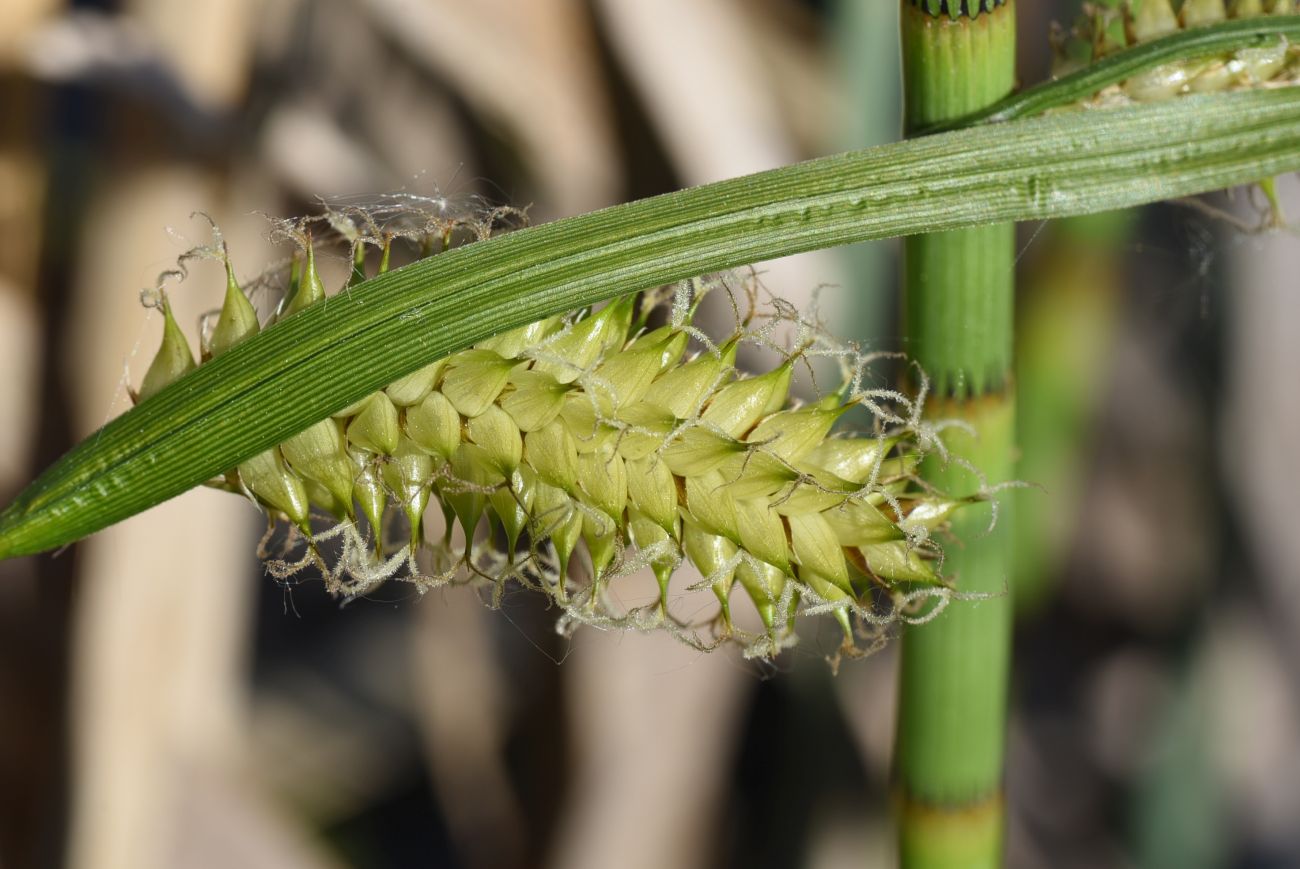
[332, 354]
[1180, 47]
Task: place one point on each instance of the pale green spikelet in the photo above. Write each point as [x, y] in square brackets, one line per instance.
[267, 479]
[646, 445]
[309, 289]
[413, 388]
[318, 454]
[174, 357]
[1195, 13]
[237, 321]
[375, 427]
[1151, 19]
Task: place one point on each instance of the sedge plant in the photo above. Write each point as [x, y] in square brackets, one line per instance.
[483, 378]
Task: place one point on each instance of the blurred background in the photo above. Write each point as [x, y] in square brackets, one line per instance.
[164, 704]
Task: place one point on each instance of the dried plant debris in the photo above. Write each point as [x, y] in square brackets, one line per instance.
[568, 453]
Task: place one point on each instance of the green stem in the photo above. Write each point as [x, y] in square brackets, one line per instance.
[959, 292]
[1067, 318]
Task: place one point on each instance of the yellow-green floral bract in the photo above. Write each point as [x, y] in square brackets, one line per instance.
[639, 445]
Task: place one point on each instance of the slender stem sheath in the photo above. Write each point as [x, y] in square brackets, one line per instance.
[958, 303]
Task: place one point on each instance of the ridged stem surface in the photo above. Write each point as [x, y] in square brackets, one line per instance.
[958, 303]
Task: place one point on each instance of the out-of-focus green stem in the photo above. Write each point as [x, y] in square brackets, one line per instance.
[1066, 318]
[958, 303]
[867, 51]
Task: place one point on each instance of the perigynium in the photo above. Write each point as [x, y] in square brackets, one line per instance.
[625, 433]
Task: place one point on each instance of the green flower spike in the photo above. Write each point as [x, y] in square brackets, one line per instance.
[601, 430]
